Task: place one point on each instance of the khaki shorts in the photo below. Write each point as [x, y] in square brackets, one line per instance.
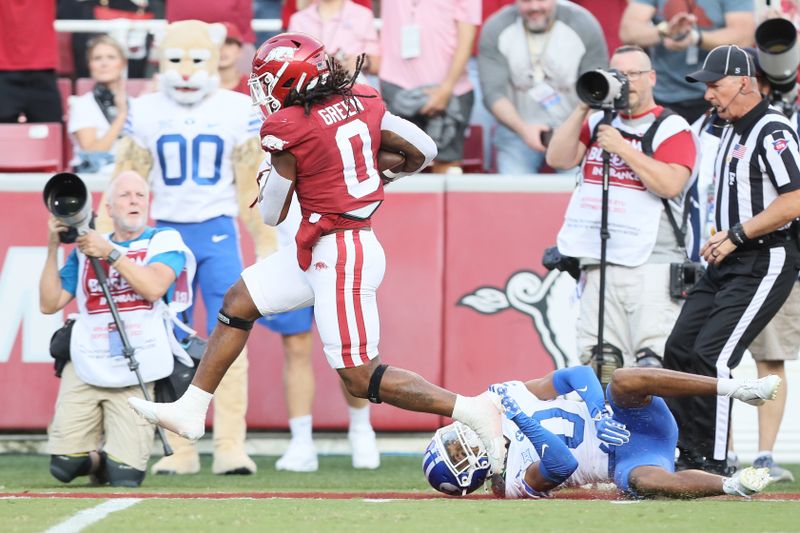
[780, 339]
[90, 418]
[639, 312]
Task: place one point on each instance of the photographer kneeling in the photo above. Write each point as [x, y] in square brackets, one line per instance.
[93, 431]
[652, 156]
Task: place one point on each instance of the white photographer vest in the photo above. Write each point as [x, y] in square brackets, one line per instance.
[148, 324]
[634, 213]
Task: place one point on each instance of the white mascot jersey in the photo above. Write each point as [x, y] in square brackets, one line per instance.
[191, 128]
[567, 418]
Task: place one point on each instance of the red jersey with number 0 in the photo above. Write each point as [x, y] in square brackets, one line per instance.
[336, 147]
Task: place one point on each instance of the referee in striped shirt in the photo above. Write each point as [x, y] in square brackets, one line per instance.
[753, 257]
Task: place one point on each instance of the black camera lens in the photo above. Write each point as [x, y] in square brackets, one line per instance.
[67, 205]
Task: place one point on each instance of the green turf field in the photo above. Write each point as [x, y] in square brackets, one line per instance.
[217, 511]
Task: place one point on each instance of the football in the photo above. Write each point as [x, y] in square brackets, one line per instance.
[389, 160]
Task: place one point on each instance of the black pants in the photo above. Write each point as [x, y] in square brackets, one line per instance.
[33, 92]
[724, 312]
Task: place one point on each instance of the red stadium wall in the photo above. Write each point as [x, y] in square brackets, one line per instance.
[465, 302]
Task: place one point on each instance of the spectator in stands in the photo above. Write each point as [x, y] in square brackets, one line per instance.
[96, 118]
[345, 28]
[480, 115]
[237, 12]
[425, 47]
[268, 10]
[290, 7]
[528, 81]
[28, 61]
[680, 33]
[230, 75]
[608, 13]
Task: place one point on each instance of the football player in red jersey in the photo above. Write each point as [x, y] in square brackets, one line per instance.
[323, 134]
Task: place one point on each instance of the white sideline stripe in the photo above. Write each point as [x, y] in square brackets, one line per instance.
[94, 514]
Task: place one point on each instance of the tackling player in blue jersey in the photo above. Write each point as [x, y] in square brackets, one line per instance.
[553, 441]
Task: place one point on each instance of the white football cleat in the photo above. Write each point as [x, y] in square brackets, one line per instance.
[168, 416]
[364, 448]
[483, 415]
[749, 481]
[299, 457]
[757, 391]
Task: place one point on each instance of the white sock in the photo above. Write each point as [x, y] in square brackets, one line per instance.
[462, 408]
[194, 402]
[726, 386]
[300, 426]
[359, 417]
[764, 453]
[729, 486]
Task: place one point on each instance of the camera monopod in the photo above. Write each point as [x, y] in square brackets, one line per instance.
[604, 235]
[127, 349]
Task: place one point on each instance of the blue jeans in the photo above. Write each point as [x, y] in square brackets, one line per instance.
[481, 115]
[513, 155]
[266, 9]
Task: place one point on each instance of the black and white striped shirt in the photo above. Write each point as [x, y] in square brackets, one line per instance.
[757, 160]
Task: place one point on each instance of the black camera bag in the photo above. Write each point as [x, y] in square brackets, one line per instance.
[59, 346]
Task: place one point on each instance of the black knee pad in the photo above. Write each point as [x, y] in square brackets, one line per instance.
[65, 468]
[374, 390]
[234, 322]
[122, 475]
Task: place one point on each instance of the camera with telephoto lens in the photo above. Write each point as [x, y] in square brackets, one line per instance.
[682, 277]
[779, 56]
[555, 260]
[67, 198]
[604, 89]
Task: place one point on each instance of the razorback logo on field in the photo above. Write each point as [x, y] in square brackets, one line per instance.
[123, 294]
[545, 300]
[779, 145]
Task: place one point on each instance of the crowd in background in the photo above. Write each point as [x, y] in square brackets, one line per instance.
[445, 75]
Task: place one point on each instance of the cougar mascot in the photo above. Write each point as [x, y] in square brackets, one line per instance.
[199, 145]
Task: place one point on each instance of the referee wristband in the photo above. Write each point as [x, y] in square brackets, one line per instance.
[737, 235]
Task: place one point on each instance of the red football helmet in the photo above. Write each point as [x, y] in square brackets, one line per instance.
[285, 62]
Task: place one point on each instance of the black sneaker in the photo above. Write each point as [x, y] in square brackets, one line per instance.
[722, 468]
[688, 460]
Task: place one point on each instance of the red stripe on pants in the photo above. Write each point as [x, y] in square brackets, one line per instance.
[357, 268]
[341, 310]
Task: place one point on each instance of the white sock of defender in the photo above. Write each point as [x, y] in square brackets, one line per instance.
[726, 386]
[730, 486]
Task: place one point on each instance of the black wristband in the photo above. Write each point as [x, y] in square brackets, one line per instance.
[737, 235]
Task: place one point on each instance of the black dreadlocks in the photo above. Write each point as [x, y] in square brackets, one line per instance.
[336, 81]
